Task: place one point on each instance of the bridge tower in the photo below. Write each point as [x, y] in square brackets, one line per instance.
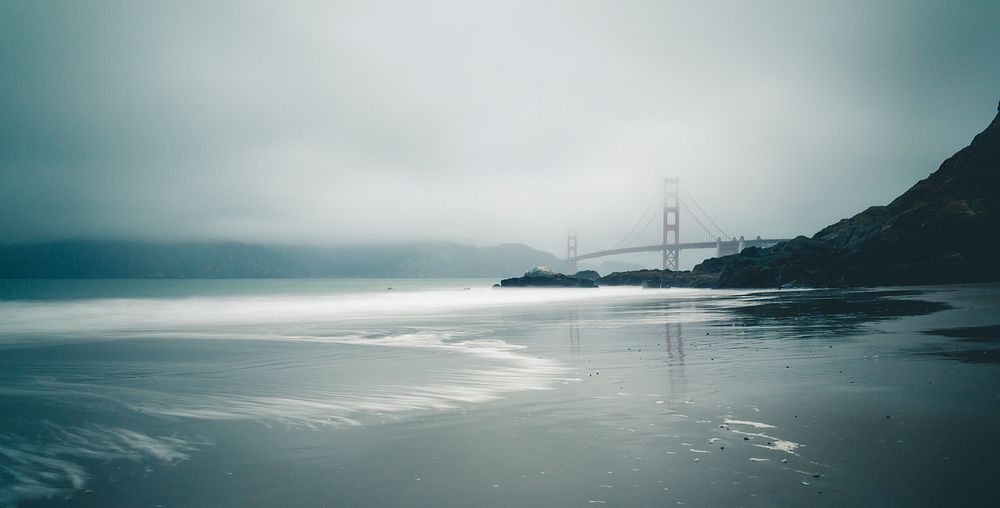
[571, 251]
[671, 216]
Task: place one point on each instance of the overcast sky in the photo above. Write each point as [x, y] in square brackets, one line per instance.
[360, 122]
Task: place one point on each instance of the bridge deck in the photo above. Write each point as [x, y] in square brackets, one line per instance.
[680, 246]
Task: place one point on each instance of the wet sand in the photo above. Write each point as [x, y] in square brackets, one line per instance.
[627, 398]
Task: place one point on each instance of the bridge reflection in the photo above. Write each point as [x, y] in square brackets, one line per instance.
[672, 334]
[574, 332]
[670, 350]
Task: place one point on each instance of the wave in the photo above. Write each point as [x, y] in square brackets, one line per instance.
[24, 322]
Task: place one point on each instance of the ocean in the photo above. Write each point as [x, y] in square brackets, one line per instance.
[448, 392]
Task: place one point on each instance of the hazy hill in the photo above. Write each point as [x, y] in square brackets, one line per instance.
[419, 260]
[128, 259]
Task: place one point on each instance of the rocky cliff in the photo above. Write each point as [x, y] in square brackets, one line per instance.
[942, 230]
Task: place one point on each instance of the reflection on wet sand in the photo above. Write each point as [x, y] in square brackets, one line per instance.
[574, 332]
[672, 334]
[49, 463]
[674, 339]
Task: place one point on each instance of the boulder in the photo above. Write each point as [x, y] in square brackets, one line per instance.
[587, 274]
[543, 277]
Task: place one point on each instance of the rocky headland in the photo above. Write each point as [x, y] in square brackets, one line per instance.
[942, 230]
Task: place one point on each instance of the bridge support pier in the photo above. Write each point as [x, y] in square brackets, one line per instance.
[571, 252]
[726, 247]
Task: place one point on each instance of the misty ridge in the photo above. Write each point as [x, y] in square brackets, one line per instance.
[95, 259]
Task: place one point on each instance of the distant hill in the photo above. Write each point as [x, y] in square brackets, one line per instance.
[944, 229]
[420, 260]
[131, 259]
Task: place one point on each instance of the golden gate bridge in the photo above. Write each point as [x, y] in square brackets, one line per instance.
[674, 199]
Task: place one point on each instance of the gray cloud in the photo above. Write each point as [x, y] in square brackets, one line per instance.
[336, 123]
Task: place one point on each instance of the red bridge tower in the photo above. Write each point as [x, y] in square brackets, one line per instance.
[671, 216]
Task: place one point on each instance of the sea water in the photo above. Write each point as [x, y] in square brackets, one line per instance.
[447, 392]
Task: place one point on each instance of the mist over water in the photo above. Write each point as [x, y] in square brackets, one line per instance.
[450, 393]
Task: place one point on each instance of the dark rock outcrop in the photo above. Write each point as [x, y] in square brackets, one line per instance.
[799, 262]
[587, 274]
[660, 279]
[543, 277]
[560, 280]
[942, 230]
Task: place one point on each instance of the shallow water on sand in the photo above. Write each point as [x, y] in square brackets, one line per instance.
[450, 393]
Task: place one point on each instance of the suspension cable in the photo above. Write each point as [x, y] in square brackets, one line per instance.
[641, 218]
[644, 228]
[695, 217]
[705, 214]
[586, 239]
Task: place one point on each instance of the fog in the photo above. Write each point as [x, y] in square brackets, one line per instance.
[366, 122]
